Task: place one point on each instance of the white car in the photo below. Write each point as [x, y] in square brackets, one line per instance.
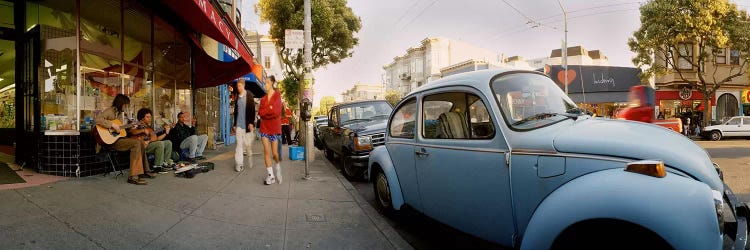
[738, 126]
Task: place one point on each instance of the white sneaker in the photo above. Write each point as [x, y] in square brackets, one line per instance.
[238, 168]
[278, 172]
[270, 180]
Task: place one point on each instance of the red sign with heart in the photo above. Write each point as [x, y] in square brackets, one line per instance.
[561, 76]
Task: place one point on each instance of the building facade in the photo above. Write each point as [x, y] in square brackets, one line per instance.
[267, 53]
[422, 64]
[578, 55]
[676, 96]
[364, 92]
[70, 58]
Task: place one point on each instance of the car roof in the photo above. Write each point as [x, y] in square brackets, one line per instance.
[478, 79]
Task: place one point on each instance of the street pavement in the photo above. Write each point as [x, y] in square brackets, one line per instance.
[733, 156]
[221, 209]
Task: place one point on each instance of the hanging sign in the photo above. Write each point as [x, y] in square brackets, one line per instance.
[686, 93]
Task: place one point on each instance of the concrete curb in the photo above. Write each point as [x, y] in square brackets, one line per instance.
[381, 224]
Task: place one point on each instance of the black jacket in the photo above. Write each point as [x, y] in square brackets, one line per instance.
[249, 110]
[179, 133]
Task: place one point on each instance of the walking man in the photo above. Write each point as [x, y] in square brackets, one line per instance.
[244, 119]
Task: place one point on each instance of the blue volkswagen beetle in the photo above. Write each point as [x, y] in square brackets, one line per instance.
[506, 156]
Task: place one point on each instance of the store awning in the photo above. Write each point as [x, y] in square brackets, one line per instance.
[201, 16]
[253, 84]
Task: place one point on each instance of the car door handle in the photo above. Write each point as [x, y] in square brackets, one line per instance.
[421, 153]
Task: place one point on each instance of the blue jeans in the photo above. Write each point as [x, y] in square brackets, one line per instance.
[196, 144]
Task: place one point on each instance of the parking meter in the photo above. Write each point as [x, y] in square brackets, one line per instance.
[305, 109]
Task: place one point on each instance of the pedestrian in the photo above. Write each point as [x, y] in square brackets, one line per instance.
[687, 126]
[138, 165]
[285, 127]
[270, 130]
[244, 125]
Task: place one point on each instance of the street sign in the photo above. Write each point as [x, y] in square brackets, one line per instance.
[294, 39]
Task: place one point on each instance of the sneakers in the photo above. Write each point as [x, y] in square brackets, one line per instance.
[238, 168]
[270, 180]
[200, 157]
[277, 167]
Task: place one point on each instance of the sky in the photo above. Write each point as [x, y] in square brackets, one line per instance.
[390, 27]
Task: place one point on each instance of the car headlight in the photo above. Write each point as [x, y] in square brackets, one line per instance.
[362, 143]
[719, 206]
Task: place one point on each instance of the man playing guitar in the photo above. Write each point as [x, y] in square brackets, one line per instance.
[155, 143]
[138, 164]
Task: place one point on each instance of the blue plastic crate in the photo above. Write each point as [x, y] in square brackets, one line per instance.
[296, 153]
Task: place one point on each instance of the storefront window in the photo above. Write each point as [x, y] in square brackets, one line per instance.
[137, 39]
[6, 15]
[164, 100]
[101, 81]
[57, 67]
[101, 32]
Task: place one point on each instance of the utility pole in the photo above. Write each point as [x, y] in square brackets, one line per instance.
[565, 47]
[306, 88]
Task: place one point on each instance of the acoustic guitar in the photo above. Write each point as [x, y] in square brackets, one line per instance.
[107, 136]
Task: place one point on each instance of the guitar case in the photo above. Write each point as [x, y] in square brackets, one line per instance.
[195, 169]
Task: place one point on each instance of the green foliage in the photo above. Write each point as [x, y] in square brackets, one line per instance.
[289, 88]
[325, 104]
[669, 27]
[333, 29]
[392, 97]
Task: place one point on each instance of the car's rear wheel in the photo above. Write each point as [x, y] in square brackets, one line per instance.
[715, 135]
[382, 191]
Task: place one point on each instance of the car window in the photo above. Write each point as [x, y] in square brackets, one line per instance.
[403, 122]
[445, 117]
[746, 121]
[365, 111]
[529, 101]
[734, 121]
[479, 119]
[334, 116]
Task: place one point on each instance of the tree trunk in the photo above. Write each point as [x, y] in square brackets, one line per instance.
[706, 111]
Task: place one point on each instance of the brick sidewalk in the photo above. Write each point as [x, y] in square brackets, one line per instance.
[219, 209]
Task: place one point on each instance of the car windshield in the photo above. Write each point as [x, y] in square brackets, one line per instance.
[530, 101]
[365, 111]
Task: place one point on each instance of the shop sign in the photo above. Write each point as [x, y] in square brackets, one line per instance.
[686, 93]
[745, 98]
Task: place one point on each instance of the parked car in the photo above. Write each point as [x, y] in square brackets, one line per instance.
[319, 121]
[508, 157]
[738, 126]
[353, 130]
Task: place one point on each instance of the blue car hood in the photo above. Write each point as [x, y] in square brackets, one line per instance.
[641, 141]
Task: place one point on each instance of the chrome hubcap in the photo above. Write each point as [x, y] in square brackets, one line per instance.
[384, 195]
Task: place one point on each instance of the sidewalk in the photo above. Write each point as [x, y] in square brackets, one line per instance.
[219, 209]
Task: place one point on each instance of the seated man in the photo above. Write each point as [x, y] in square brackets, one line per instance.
[184, 136]
[155, 143]
[138, 164]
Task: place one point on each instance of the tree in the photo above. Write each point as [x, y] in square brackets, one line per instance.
[671, 30]
[392, 97]
[325, 104]
[333, 29]
[289, 88]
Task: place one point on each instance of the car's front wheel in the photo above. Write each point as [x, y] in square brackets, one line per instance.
[382, 193]
[715, 135]
[351, 172]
